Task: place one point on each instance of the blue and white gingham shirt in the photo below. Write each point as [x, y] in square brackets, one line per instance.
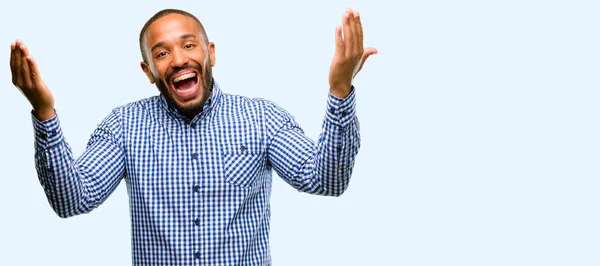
[198, 190]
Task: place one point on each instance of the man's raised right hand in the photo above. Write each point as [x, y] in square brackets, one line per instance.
[26, 77]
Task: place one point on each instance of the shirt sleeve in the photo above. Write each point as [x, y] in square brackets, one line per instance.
[324, 167]
[76, 186]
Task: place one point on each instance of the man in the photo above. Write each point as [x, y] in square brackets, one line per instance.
[197, 161]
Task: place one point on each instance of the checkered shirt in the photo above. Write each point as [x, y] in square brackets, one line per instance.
[199, 190]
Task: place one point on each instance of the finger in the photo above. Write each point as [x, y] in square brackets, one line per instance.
[339, 41]
[368, 52]
[26, 74]
[17, 64]
[352, 33]
[348, 38]
[359, 31]
[13, 62]
[35, 73]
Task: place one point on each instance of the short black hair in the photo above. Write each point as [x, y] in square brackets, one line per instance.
[161, 14]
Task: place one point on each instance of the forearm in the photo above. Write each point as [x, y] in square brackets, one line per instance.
[54, 165]
[325, 167]
[338, 146]
[70, 185]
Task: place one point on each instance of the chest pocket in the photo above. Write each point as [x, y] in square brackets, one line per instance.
[241, 164]
[243, 155]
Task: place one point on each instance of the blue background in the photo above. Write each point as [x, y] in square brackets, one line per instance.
[479, 123]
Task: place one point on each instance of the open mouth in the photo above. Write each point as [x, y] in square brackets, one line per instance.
[185, 85]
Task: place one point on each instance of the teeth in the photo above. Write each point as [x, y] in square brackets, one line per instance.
[184, 91]
[184, 76]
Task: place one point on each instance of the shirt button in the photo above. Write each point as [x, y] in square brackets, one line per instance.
[198, 255]
[242, 148]
[195, 155]
[197, 221]
[196, 188]
[332, 110]
[343, 113]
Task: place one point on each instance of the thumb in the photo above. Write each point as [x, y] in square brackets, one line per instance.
[367, 52]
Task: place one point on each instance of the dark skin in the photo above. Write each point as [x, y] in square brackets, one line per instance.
[350, 55]
[26, 77]
[176, 49]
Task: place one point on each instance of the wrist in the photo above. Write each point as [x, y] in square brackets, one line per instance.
[43, 114]
[341, 92]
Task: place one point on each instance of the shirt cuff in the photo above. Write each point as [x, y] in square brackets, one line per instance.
[340, 111]
[47, 133]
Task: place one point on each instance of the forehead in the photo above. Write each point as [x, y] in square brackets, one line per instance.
[169, 27]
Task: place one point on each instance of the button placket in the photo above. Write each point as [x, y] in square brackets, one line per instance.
[195, 187]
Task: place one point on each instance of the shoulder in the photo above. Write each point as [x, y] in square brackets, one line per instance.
[246, 103]
[138, 106]
[235, 100]
[134, 110]
[248, 106]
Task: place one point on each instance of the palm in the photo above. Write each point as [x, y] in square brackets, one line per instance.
[26, 77]
[349, 56]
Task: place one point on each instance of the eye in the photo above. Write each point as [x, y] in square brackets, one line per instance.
[189, 46]
[161, 54]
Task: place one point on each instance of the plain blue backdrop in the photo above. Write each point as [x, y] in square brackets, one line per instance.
[479, 124]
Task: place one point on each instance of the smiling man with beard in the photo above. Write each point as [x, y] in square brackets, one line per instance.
[197, 161]
[188, 78]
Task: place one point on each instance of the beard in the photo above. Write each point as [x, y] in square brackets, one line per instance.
[207, 85]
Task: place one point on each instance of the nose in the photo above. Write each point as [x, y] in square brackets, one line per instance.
[179, 59]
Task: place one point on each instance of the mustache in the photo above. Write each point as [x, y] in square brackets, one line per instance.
[184, 67]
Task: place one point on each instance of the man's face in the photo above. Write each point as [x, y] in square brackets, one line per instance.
[180, 62]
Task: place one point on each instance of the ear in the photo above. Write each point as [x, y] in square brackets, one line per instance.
[146, 70]
[211, 52]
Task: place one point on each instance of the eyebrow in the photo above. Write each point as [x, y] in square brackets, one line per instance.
[184, 36]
